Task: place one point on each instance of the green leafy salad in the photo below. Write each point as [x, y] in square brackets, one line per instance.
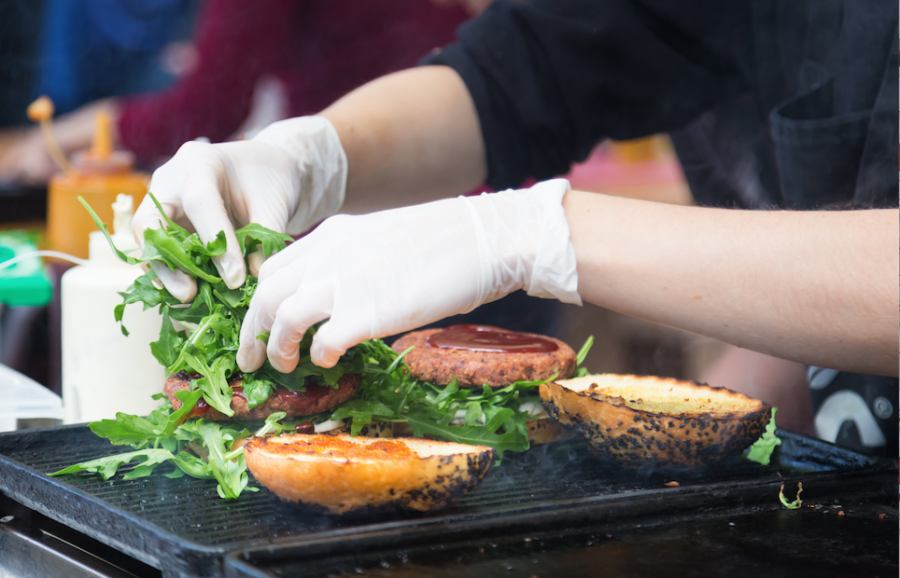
[207, 348]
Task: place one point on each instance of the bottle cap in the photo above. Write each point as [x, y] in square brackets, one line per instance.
[101, 158]
[100, 252]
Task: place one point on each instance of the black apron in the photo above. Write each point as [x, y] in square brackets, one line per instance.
[818, 130]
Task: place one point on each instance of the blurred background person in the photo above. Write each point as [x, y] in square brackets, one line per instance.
[295, 56]
[77, 52]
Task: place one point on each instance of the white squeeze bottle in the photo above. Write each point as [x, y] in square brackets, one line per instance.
[103, 371]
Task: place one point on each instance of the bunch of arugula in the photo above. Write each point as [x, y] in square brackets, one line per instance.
[388, 392]
[489, 416]
[214, 316]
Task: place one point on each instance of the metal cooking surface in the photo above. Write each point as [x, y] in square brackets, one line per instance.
[183, 522]
[761, 542]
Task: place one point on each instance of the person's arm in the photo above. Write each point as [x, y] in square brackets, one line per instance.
[411, 136]
[421, 134]
[815, 287]
[778, 382]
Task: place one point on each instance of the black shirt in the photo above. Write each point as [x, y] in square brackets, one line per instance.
[769, 104]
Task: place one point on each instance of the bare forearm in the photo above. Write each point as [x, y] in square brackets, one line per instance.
[815, 287]
[413, 135]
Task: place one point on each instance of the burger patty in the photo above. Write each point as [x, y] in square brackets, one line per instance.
[316, 399]
[476, 368]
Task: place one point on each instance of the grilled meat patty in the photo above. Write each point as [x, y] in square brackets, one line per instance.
[476, 368]
[317, 398]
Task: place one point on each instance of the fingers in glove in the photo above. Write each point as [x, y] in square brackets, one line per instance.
[277, 262]
[148, 216]
[251, 353]
[334, 338]
[178, 283]
[290, 257]
[296, 314]
[204, 206]
[274, 220]
[261, 316]
[255, 261]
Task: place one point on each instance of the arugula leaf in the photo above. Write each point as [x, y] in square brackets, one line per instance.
[361, 412]
[132, 430]
[583, 352]
[581, 371]
[217, 246]
[171, 225]
[214, 383]
[159, 245]
[257, 235]
[193, 466]
[257, 391]
[306, 368]
[189, 401]
[170, 342]
[234, 299]
[125, 430]
[108, 466]
[231, 474]
[102, 226]
[796, 504]
[511, 440]
[761, 450]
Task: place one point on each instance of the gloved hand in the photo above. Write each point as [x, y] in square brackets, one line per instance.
[287, 178]
[388, 272]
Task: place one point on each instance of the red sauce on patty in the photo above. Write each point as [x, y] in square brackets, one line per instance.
[488, 338]
[201, 408]
[294, 400]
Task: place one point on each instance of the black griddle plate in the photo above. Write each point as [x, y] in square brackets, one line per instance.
[182, 527]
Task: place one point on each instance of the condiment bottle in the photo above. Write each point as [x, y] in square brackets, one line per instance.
[103, 371]
[98, 175]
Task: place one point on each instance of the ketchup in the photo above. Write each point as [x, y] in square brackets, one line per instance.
[313, 391]
[487, 338]
[305, 427]
[201, 408]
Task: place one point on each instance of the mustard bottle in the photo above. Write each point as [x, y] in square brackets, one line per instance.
[98, 174]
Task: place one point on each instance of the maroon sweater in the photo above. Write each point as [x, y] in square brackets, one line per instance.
[319, 50]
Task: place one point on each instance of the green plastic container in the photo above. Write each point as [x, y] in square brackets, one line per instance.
[26, 282]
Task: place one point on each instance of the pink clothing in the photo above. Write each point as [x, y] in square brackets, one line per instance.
[319, 50]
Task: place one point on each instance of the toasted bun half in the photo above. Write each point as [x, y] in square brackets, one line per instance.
[640, 421]
[546, 430]
[340, 474]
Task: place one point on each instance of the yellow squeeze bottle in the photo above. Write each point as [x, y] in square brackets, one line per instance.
[98, 174]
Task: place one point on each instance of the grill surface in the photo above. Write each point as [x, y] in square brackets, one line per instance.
[182, 527]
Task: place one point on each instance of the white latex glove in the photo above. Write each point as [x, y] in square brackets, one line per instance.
[389, 272]
[287, 178]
